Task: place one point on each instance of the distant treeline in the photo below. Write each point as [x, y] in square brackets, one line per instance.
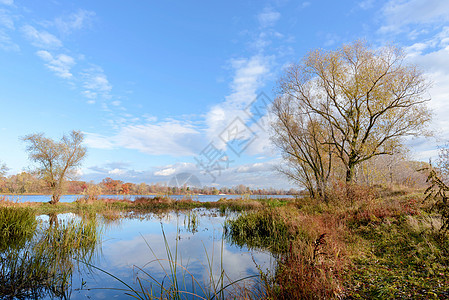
[28, 183]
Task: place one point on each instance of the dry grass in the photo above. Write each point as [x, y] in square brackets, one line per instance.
[330, 250]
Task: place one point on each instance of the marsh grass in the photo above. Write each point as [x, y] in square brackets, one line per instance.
[43, 265]
[146, 204]
[16, 226]
[191, 221]
[262, 229]
[307, 261]
[365, 243]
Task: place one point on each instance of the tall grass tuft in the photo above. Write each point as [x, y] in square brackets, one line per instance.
[17, 225]
[43, 265]
[261, 229]
[308, 249]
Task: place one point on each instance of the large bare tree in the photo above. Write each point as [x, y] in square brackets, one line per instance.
[364, 100]
[57, 161]
[304, 146]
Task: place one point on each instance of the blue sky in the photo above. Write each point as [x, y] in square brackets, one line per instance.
[159, 86]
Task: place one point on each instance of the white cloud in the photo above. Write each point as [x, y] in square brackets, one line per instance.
[165, 172]
[7, 2]
[366, 4]
[164, 138]
[6, 43]
[60, 64]
[261, 174]
[41, 39]
[254, 175]
[432, 56]
[180, 167]
[91, 95]
[305, 4]
[75, 21]
[117, 171]
[416, 49]
[96, 83]
[400, 13]
[6, 20]
[256, 167]
[268, 17]
[97, 141]
[247, 80]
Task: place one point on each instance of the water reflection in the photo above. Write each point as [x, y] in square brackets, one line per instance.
[144, 248]
[42, 265]
[78, 256]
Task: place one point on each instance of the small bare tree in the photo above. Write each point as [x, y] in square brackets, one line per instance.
[364, 99]
[57, 161]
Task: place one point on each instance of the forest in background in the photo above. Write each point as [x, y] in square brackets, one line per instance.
[383, 171]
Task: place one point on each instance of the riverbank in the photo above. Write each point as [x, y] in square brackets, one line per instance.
[148, 204]
[364, 243]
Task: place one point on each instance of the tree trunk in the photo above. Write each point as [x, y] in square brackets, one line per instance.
[350, 171]
[55, 198]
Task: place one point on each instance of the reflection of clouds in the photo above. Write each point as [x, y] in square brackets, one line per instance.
[237, 263]
[199, 253]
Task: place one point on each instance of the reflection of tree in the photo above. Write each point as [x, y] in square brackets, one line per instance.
[53, 219]
[43, 264]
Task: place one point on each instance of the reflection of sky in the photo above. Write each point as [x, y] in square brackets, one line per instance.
[138, 243]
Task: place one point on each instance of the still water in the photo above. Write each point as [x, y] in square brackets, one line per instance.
[201, 198]
[137, 248]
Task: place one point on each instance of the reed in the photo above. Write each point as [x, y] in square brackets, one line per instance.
[179, 283]
[43, 264]
[147, 204]
[16, 226]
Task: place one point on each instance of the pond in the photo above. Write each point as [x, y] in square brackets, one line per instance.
[141, 251]
[201, 198]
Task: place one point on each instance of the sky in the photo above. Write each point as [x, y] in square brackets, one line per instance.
[163, 88]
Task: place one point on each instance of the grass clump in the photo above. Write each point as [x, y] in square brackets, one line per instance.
[43, 265]
[262, 229]
[307, 262]
[16, 226]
